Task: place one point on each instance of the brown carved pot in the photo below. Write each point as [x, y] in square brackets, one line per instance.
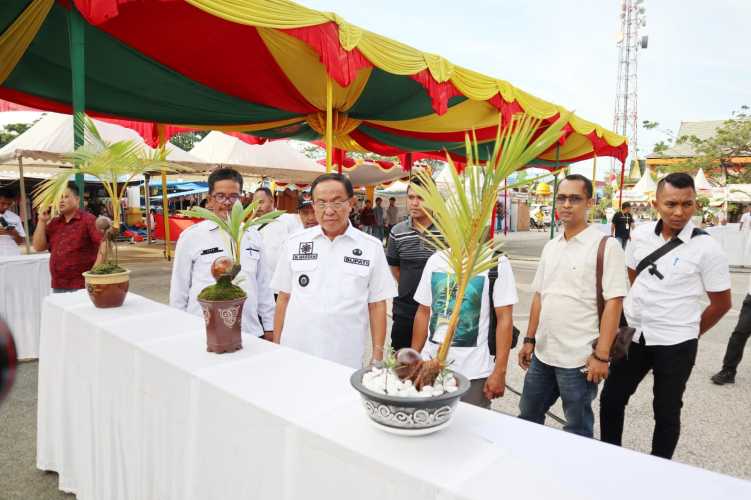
[107, 290]
[223, 324]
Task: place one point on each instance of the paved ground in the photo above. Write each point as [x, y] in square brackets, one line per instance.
[716, 420]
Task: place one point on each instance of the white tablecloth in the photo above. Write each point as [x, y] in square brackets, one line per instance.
[24, 282]
[131, 406]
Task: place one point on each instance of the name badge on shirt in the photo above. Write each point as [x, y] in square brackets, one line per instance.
[358, 262]
[209, 251]
[305, 252]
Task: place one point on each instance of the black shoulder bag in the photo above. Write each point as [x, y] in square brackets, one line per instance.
[492, 277]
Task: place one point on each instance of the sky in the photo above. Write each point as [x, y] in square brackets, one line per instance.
[696, 67]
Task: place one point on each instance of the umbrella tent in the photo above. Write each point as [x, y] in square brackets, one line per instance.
[701, 183]
[268, 67]
[275, 159]
[646, 185]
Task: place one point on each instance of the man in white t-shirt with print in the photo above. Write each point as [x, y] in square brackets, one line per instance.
[469, 353]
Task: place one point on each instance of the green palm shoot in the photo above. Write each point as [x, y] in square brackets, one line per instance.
[462, 215]
[115, 165]
[238, 221]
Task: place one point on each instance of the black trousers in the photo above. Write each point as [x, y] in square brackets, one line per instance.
[401, 332]
[671, 367]
[737, 342]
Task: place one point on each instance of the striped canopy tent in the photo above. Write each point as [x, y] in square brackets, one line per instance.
[272, 68]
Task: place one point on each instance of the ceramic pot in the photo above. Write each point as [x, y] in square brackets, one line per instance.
[409, 416]
[107, 290]
[223, 321]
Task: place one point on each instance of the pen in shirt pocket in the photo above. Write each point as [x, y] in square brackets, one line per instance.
[675, 261]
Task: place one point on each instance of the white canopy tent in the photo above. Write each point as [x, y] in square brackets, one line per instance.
[701, 183]
[281, 161]
[646, 185]
[40, 151]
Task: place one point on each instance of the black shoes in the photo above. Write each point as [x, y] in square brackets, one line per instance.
[723, 377]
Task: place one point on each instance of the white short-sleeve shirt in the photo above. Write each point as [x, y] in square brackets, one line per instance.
[8, 247]
[331, 284]
[197, 248]
[566, 281]
[668, 311]
[469, 354]
[746, 221]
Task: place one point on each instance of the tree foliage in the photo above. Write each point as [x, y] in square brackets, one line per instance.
[186, 140]
[11, 131]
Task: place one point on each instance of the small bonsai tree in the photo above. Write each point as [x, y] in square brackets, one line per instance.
[463, 214]
[225, 269]
[115, 165]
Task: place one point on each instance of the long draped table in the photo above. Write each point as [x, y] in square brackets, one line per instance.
[24, 283]
[131, 406]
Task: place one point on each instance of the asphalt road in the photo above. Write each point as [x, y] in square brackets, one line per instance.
[716, 432]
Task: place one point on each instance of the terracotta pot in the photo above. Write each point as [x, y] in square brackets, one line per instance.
[107, 290]
[223, 322]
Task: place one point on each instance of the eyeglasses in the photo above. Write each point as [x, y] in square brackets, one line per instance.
[221, 197]
[574, 199]
[334, 205]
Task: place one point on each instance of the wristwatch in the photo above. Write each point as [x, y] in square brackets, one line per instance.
[529, 340]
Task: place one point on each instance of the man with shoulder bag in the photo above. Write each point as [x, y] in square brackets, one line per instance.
[671, 265]
[564, 319]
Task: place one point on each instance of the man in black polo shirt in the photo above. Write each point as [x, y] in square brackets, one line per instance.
[623, 221]
[407, 253]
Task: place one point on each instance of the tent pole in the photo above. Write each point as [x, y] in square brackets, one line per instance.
[24, 215]
[147, 195]
[555, 190]
[165, 203]
[594, 184]
[620, 195]
[329, 125]
[76, 34]
[506, 203]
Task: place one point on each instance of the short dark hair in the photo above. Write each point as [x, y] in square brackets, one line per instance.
[74, 189]
[626, 204]
[392, 198]
[266, 190]
[379, 199]
[333, 176]
[588, 188]
[7, 192]
[224, 174]
[417, 181]
[680, 180]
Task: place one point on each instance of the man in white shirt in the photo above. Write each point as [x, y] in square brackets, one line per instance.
[563, 319]
[664, 306]
[275, 232]
[736, 343]
[746, 224]
[201, 244]
[469, 353]
[333, 282]
[12, 233]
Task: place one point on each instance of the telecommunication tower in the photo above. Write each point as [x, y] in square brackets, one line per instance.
[630, 41]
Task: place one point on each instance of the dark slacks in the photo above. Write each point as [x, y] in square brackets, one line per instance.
[737, 342]
[401, 332]
[671, 367]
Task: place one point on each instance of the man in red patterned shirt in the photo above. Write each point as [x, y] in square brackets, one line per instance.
[74, 242]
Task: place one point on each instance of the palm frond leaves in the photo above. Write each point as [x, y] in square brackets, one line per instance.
[114, 164]
[237, 223]
[462, 215]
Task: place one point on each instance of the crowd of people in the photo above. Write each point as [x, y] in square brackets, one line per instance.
[317, 283]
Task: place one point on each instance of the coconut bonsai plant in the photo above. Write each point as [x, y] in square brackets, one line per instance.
[115, 165]
[222, 303]
[415, 396]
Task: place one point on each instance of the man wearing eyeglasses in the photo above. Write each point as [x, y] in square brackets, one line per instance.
[333, 282]
[201, 244]
[563, 319]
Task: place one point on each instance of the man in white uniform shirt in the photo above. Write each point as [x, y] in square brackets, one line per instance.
[469, 353]
[202, 243]
[745, 228]
[275, 232]
[11, 227]
[333, 282]
[563, 319]
[664, 306]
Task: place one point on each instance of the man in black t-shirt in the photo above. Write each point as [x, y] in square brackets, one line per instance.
[622, 223]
